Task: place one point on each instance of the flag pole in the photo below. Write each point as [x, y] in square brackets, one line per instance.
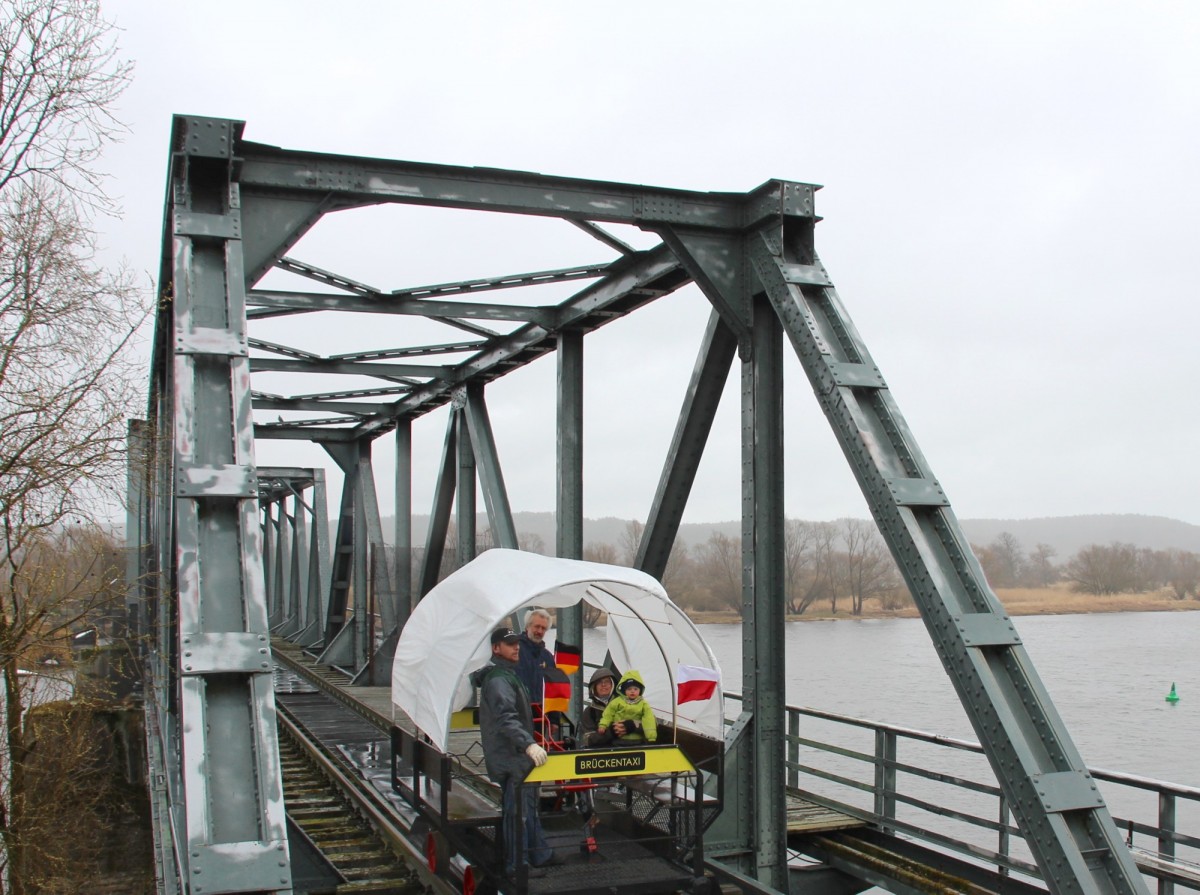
[675, 707]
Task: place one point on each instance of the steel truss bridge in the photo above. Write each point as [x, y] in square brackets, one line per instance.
[232, 552]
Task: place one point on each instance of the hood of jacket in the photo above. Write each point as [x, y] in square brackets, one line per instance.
[599, 675]
[631, 676]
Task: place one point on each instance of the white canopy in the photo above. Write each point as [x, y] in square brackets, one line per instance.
[449, 634]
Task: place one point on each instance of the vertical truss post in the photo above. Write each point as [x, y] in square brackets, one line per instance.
[1057, 803]
[281, 573]
[294, 527]
[362, 573]
[317, 582]
[404, 539]
[234, 834]
[269, 533]
[464, 494]
[568, 510]
[293, 613]
[763, 646]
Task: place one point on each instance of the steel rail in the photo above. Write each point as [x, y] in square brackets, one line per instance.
[366, 800]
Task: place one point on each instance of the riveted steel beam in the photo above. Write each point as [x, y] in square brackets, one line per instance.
[234, 211]
[380, 303]
[568, 508]
[1064, 820]
[491, 476]
[228, 817]
[266, 169]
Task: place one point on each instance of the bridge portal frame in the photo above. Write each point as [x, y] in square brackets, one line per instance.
[233, 211]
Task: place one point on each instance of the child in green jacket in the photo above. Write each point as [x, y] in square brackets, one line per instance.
[629, 716]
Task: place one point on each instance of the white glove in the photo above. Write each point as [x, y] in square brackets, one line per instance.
[536, 754]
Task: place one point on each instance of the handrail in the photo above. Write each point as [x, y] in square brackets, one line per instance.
[954, 823]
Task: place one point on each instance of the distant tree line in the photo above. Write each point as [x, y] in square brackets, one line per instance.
[839, 566]
[1102, 569]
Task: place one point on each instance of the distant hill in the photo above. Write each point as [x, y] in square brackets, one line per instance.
[1066, 534]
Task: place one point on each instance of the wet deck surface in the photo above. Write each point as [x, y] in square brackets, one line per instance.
[804, 816]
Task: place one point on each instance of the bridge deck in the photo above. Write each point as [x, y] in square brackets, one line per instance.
[375, 703]
[804, 816]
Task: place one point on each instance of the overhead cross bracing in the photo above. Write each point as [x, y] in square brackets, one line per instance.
[234, 552]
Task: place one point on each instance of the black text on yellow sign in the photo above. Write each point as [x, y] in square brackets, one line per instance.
[611, 763]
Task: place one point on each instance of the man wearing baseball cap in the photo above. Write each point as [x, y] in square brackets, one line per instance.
[509, 749]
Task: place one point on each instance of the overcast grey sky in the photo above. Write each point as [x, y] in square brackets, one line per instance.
[1010, 213]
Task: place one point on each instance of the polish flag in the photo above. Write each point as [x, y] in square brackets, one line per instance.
[695, 682]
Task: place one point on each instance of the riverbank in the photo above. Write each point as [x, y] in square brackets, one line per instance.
[1056, 600]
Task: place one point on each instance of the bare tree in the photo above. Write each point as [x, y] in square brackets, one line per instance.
[1010, 559]
[867, 567]
[61, 78]
[65, 388]
[631, 540]
[596, 551]
[600, 551]
[532, 542]
[809, 549]
[1183, 573]
[1098, 569]
[675, 575]
[1040, 570]
[719, 560]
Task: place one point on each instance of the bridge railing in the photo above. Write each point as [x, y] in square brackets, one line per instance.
[941, 791]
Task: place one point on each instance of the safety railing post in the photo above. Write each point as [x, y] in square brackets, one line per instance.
[793, 748]
[1005, 837]
[1166, 837]
[885, 778]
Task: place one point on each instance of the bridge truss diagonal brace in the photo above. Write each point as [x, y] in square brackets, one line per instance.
[709, 375]
[443, 503]
[491, 476]
[359, 565]
[1078, 849]
[230, 835]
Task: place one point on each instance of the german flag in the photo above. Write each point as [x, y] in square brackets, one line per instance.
[556, 693]
[568, 658]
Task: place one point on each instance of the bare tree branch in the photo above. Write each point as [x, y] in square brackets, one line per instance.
[66, 390]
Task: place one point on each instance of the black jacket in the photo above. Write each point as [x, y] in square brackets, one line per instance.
[505, 719]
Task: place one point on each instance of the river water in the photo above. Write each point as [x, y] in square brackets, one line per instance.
[1107, 673]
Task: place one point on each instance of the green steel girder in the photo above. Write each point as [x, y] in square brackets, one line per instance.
[271, 171]
[687, 446]
[384, 304]
[235, 210]
[1058, 806]
[443, 502]
[211, 667]
[568, 506]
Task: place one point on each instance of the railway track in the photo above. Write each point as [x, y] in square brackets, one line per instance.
[360, 857]
[336, 784]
